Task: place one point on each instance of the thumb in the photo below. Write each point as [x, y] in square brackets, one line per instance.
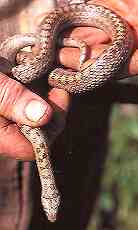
[19, 104]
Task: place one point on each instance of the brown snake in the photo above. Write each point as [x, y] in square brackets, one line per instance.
[90, 76]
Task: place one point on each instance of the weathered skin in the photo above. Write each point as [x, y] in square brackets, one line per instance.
[90, 76]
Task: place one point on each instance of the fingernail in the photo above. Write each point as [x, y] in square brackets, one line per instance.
[35, 110]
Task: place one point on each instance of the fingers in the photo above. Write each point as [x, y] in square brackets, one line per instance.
[12, 142]
[74, 54]
[60, 98]
[73, 61]
[60, 101]
[97, 41]
[90, 35]
[133, 65]
[20, 105]
[69, 57]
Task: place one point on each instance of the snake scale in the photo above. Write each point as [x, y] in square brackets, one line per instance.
[90, 76]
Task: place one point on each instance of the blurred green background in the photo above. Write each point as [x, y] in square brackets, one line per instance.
[117, 208]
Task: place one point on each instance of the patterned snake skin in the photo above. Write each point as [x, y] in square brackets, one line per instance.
[90, 76]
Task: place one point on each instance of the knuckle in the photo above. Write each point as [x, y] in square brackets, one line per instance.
[5, 129]
[10, 91]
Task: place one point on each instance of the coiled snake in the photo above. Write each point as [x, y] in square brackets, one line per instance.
[90, 76]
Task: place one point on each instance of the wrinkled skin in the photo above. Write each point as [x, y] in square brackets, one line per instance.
[97, 40]
[14, 97]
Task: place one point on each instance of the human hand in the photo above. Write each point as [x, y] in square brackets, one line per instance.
[18, 105]
[97, 40]
[15, 98]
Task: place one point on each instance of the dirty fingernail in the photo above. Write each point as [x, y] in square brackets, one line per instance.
[35, 110]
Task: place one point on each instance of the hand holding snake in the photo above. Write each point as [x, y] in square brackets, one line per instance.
[84, 86]
[98, 40]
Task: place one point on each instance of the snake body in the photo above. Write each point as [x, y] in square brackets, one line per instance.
[91, 75]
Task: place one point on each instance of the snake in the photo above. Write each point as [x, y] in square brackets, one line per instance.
[91, 75]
